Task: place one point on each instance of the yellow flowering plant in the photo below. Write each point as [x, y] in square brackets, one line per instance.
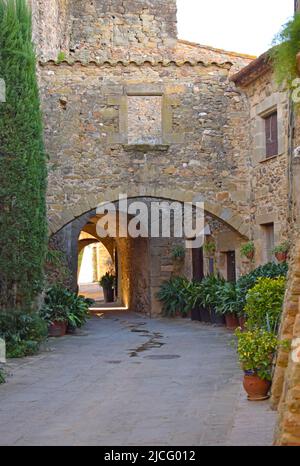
[256, 349]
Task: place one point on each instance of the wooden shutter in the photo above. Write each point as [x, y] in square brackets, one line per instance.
[271, 128]
[231, 266]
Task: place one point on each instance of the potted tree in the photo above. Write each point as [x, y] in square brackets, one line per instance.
[256, 349]
[248, 250]
[281, 251]
[228, 305]
[107, 282]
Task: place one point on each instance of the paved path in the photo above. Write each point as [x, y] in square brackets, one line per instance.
[132, 381]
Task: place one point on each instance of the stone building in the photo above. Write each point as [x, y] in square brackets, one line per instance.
[131, 109]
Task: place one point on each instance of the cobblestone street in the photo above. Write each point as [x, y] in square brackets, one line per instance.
[127, 380]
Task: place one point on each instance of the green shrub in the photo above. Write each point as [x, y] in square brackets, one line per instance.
[227, 302]
[174, 296]
[246, 282]
[23, 332]
[107, 281]
[62, 305]
[23, 225]
[286, 47]
[264, 304]
[210, 286]
[256, 349]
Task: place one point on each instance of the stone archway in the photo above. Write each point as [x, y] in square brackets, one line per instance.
[227, 215]
[139, 288]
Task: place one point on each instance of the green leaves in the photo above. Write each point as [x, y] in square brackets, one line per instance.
[174, 295]
[264, 304]
[286, 47]
[61, 305]
[256, 349]
[22, 331]
[23, 225]
[107, 281]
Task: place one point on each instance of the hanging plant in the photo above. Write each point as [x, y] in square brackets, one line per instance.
[209, 247]
[178, 253]
[248, 250]
[285, 53]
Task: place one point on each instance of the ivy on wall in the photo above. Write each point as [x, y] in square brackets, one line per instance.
[23, 227]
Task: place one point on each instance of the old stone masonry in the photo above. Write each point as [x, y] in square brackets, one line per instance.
[130, 109]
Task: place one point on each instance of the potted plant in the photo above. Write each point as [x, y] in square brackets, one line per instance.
[55, 310]
[107, 282]
[248, 250]
[264, 303]
[281, 251]
[256, 349]
[209, 248]
[178, 253]
[227, 304]
[174, 296]
[210, 287]
[78, 312]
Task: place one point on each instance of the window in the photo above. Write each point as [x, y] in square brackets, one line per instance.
[145, 120]
[269, 241]
[271, 131]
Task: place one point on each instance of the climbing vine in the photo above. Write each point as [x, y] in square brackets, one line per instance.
[23, 228]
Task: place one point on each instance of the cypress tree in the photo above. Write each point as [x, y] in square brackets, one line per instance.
[23, 226]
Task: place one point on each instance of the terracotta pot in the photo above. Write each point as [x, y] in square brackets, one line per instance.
[57, 329]
[250, 255]
[281, 256]
[242, 321]
[256, 388]
[232, 322]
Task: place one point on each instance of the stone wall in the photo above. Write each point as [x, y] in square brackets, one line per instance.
[203, 131]
[268, 176]
[286, 385]
[102, 29]
[51, 27]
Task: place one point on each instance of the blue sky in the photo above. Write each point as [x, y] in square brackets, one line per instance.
[236, 25]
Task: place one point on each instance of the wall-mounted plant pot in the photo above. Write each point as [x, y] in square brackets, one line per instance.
[256, 388]
[232, 321]
[250, 255]
[57, 329]
[281, 256]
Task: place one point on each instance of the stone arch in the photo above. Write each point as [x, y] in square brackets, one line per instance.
[91, 201]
